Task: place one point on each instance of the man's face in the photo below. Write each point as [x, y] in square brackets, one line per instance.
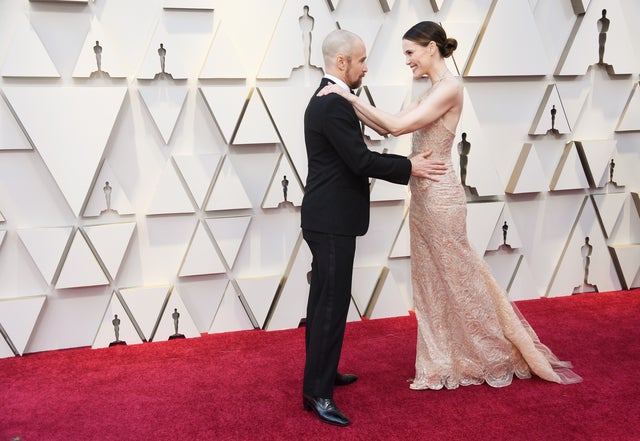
[356, 66]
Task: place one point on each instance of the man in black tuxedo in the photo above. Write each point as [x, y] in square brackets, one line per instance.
[335, 210]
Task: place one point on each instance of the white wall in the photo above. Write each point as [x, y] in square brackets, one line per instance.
[195, 161]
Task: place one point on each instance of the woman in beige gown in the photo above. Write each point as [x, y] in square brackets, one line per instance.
[468, 331]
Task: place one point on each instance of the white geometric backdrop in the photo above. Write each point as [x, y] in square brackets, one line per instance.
[145, 148]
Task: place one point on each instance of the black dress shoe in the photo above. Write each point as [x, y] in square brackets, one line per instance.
[325, 409]
[345, 379]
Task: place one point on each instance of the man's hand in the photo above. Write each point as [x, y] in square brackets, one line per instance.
[421, 167]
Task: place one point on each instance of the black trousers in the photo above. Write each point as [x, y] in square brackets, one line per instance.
[327, 309]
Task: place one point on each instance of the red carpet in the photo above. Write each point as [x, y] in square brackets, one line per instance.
[247, 386]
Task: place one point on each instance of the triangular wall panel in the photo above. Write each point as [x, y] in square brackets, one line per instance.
[228, 192]
[627, 229]
[5, 350]
[581, 260]
[573, 95]
[385, 221]
[286, 106]
[145, 304]
[482, 220]
[46, 245]
[608, 207]
[291, 306]
[37, 63]
[505, 232]
[389, 302]
[256, 126]
[231, 315]
[582, 51]
[436, 5]
[628, 261]
[68, 128]
[18, 318]
[222, 59]
[283, 177]
[482, 174]
[466, 33]
[528, 174]
[115, 319]
[170, 195]
[524, 283]
[597, 156]
[175, 320]
[504, 264]
[202, 257]
[569, 173]
[111, 242]
[202, 296]
[108, 195]
[184, 52]
[165, 103]
[229, 233]
[259, 293]
[98, 55]
[198, 172]
[11, 135]
[551, 117]
[80, 267]
[510, 26]
[580, 6]
[630, 118]
[402, 244]
[226, 105]
[364, 282]
[286, 51]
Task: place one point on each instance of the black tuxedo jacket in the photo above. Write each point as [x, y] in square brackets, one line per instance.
[336, 198]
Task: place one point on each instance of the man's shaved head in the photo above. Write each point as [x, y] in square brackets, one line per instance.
[345, 57]
[336, 43]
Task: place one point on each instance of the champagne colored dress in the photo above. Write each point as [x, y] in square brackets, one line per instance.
[468, 330]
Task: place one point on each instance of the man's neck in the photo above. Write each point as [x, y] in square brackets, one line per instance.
[338, 81]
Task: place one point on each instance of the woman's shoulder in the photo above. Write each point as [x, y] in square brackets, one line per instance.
[447, 88]
[454, 82]
[453, 86]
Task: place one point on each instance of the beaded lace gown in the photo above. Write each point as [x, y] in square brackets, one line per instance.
[468, 330]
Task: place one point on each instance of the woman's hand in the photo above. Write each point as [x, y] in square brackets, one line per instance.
[334, 88]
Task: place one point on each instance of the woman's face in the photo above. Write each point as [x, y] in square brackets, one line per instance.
[417, 57]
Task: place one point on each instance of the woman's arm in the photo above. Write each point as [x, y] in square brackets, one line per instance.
[412, 118]
[379, 130]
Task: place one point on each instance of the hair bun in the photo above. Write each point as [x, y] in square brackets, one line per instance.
[450, 45]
